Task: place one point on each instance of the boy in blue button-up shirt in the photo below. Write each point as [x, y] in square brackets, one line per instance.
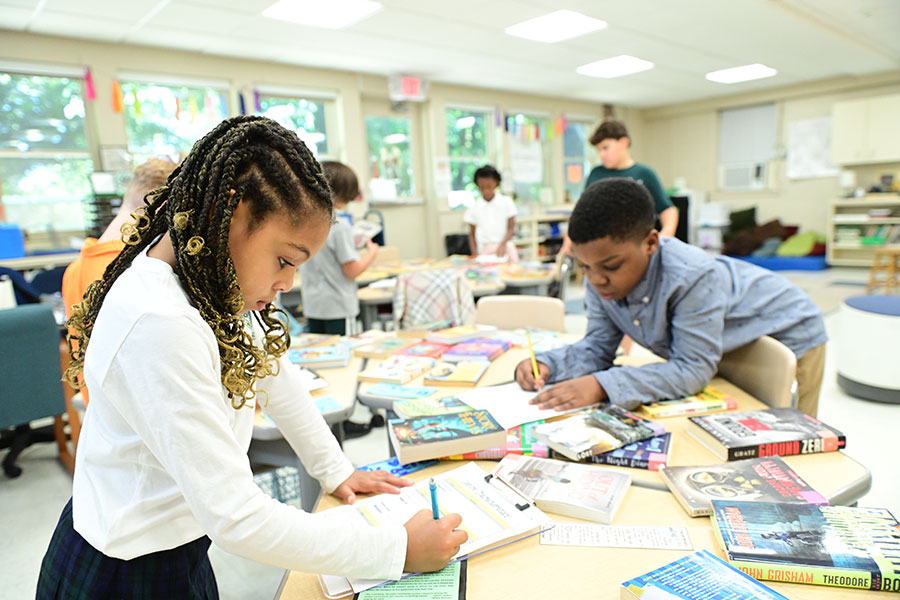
[681, 303]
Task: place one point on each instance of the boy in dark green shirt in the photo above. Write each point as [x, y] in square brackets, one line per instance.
[614, 147]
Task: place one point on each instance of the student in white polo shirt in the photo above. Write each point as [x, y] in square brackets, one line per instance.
[492, 219]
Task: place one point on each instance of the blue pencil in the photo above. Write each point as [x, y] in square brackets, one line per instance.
[434, 504]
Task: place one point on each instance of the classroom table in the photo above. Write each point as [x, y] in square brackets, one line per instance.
[526, 569]
[268, 446]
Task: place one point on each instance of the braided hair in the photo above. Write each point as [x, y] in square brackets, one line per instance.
[275, 173]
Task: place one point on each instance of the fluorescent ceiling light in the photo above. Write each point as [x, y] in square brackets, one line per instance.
[556, 27]
[738, 74]
[615, 67]
[328, 14]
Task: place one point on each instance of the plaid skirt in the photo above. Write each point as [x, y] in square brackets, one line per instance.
[72, 569]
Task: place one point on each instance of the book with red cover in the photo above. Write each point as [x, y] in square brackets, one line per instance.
[427, 349]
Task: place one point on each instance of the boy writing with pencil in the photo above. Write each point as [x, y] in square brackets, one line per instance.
[672, 298]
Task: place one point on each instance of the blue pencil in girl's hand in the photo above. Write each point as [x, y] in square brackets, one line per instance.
[434, 505]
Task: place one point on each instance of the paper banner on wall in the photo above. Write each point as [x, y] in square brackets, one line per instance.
[809, 149]
[526, 160]
[574, 174]
[117, 103]
[442, 177]
[89, 92]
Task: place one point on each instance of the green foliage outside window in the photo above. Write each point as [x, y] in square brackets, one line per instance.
[306, 117]
[44, 161]
[390, 156]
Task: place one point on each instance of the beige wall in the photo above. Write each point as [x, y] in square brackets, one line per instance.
[682, 140]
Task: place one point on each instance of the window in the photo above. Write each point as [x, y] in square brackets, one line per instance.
[390, 158]
[467, 144]
[166, 120]
[527, 155]
[44, 159]
[312, 118]
[577, 155]
[746, 145]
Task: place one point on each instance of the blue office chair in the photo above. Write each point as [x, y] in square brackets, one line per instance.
[25, 292]
[32, 386]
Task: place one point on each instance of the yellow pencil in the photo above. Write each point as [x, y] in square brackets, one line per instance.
[533, 359]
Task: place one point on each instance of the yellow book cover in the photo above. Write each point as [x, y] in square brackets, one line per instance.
[710, 400]
[462, 374]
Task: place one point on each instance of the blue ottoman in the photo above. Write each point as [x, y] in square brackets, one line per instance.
[868, 357]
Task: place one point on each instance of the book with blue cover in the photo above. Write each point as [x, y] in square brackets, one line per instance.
[427, 437]
[842, 546]
[400, 392]
[697, 576]
[650, 454]
[481, 349]
[393, 466]
[321, 357]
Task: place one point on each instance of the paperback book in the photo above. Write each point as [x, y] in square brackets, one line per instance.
[423, 407]
[429, 349]
[393, 466]
[384, 347]
[572, 489]
[366, 338]
[519, 440]
[480, 349]
[321, 357]
[651, 454]
[596, 431]
[710, 400]
[424, 438]
[753, 479]
[461, 374]
[400, 392]
[697, 576]
[423, 329]
[460, 333]
[840, 546]
[397, 369]
[305, 339]
[759, 433]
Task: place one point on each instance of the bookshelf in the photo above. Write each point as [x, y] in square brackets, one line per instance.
[859, 226]
[534, 236]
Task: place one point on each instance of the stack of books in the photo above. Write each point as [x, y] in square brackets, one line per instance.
[587, 433]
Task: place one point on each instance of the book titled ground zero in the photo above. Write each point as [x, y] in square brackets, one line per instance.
[761, 433]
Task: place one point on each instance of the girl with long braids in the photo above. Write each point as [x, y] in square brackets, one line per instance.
[177, 343]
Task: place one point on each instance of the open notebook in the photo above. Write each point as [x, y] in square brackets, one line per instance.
[493, 515]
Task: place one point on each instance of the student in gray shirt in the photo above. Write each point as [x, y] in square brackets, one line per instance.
[328, 289]
[674, 299]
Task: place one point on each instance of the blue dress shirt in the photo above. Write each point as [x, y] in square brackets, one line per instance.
[689, 308]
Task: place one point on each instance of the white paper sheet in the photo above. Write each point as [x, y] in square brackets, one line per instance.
[617, 536]
[508, 404]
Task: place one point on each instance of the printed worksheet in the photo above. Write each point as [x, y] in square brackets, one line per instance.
[491, 512]
[508, 404]
[617, 536]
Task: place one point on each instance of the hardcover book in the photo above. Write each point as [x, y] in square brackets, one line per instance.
[697, 576]
[480, 349]
[423, 438]
[566, 488]
[461, 374]
[593, 432]
[384, 347]
[397, 369]
[460, 333]
[710, 400]
[840, 546]
[754, 479]
[429, 349]
[519, 440]
[758, 433]
[321, 357]
[423, 407]
[650, 454]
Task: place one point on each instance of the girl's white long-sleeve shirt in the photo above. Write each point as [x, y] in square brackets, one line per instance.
[162, 458]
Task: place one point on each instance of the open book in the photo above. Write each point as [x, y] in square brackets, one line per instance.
[492, 514]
